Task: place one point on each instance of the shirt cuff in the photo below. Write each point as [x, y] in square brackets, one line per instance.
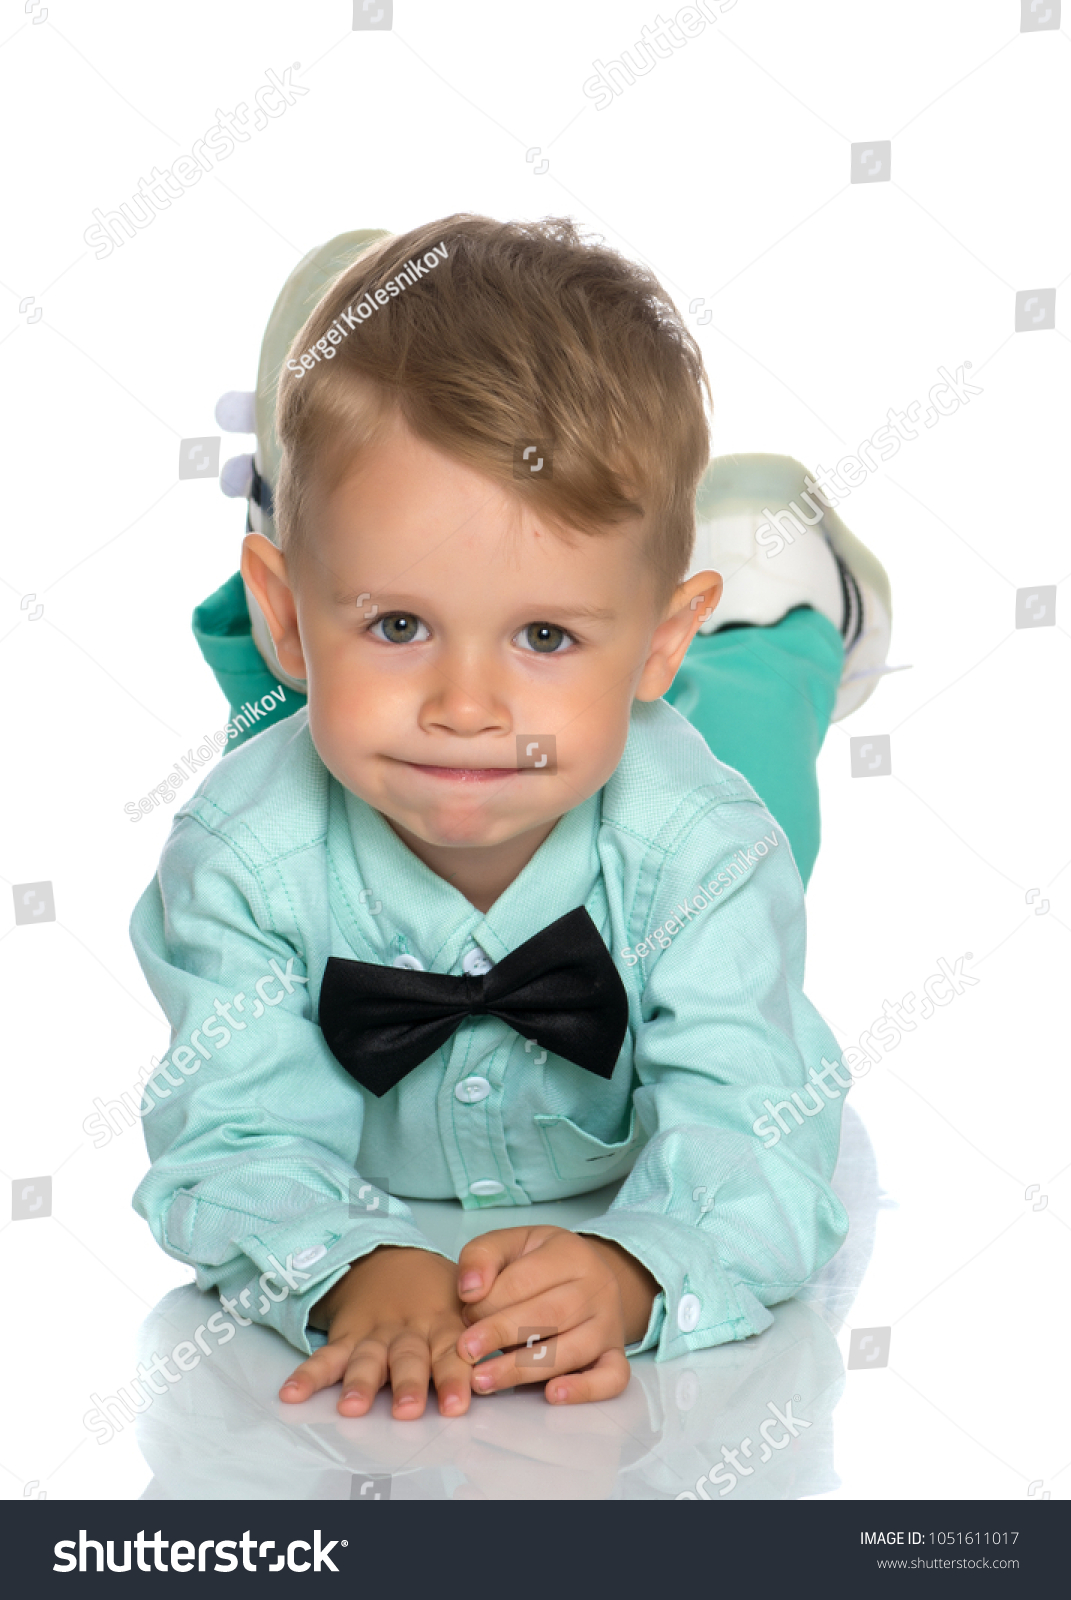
[654, 1328]
[699, 1306]
[297, 1263]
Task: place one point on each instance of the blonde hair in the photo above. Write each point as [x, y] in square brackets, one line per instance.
[523, 332]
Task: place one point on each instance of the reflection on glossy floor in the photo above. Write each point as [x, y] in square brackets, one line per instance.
[770, 1401]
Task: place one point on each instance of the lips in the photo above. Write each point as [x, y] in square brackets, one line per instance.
[464, 774]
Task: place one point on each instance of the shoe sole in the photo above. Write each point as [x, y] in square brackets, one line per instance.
[757, 480]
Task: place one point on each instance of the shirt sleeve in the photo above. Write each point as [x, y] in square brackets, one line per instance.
[252, 1126]
[729, 1205]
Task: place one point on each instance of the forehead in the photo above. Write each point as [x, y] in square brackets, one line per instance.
[407, 512]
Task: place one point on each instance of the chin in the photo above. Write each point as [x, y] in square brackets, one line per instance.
[471, 828]
[462, 832]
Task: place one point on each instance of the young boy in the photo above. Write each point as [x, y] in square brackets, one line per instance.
[485, 919]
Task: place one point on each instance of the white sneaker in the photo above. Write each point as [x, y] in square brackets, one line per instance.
[254, 476]
[756, 521]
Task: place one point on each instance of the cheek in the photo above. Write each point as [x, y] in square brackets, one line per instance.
[594, 734]
[344, 682]
[347, 709]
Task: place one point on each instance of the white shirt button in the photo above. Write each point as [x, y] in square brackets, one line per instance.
[476, 963]
[470, 1090]
[308, 1258]
[688, 1313]
[486, 1186]
[409, 962]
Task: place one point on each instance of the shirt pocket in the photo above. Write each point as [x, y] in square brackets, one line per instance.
[581, 1160]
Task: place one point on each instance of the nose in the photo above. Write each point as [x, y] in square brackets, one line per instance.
[462, 700]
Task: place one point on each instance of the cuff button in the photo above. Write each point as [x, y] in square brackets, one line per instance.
[688, 1313]
[309, 1257]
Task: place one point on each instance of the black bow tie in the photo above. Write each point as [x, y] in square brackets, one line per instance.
[560, 988]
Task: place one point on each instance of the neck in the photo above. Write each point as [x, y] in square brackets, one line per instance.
[480, 872]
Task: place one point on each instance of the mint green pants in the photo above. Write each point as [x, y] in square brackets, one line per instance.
[761, 697]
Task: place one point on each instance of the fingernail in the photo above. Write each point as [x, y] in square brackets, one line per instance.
[560, 1393]
[470, 1348]
[469, 1281]
[482, 1381]
[452, 1402]
[352, 1394]
[287, 1386]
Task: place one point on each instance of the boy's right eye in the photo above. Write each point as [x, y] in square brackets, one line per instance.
[399, 627]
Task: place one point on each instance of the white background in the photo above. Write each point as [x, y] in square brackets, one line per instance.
[726, 169]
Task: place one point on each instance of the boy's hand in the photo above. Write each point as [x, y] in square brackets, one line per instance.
[594, 1295]
[395, 1317]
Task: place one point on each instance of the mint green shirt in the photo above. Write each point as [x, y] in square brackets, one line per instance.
[272, 1169]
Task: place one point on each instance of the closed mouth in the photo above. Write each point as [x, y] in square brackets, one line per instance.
[463, 774]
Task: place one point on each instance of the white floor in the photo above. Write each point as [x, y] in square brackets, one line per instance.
[910, 1425]
[221, 1433]
[820, 304]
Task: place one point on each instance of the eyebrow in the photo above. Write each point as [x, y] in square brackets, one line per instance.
[586, 613]
[575, 613]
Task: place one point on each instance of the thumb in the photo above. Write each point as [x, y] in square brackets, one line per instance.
[483, 1259]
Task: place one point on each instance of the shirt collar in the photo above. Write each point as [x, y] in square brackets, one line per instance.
[427, 917]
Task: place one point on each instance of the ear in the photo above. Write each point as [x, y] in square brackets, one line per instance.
[691, 604]
[264, 570]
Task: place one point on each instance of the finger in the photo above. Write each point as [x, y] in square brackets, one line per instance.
[453, 1381]
[528, 1364]
[527, 1322]
[322, 1369]
[482, 1260]
[605, 1378]
[410, 1369]
[536, 1273]
[556, 1260]
[366, 1373]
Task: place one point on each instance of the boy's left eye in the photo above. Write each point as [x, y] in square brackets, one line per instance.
[399, 627]
[544, 638]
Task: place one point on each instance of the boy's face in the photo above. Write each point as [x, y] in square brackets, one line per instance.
[444, 628]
